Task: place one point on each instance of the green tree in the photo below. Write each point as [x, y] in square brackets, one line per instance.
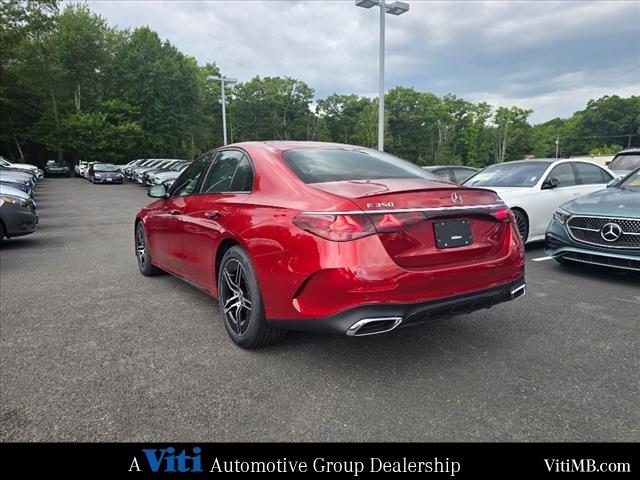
[272, 108]
[510, 133]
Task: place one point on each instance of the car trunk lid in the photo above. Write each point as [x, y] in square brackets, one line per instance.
[413, 217]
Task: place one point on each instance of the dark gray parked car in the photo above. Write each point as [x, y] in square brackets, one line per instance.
[104, 173]
[54, 168]
[453, 173]
[17, 213]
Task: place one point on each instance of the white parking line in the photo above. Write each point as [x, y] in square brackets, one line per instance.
[541, 259]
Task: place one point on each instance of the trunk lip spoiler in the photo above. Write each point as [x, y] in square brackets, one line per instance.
[452, 208]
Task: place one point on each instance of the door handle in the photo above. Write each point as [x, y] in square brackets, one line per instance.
[175, 212]
[212, 215]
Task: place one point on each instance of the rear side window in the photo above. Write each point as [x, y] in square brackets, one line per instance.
[243, 179]
[590, 174]
[319, 165]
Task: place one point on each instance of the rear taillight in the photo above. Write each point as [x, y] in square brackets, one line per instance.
[395, 222]
[338, 228]
[502, 214]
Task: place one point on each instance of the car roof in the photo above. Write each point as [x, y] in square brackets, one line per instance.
[284, 145]
[432, 167]
[539, 160]
[629, 150]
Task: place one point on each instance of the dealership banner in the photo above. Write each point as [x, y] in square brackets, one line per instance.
[454, 460]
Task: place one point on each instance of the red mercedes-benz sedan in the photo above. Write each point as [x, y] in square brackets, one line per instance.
[328, 237]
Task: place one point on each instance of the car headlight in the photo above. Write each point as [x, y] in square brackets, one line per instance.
[561, 215]
[97, 175]
[15, 200]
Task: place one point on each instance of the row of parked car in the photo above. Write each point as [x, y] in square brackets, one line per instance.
[18, 214]
[145, 171]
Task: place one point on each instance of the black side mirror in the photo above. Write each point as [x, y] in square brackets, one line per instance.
[550, 182]
[158, 191]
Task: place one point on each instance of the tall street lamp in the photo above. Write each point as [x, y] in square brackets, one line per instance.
[394, 8]
[229, 81]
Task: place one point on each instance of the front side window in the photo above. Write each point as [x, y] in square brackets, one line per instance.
[564, 175]
[320, 165]
[187, 182]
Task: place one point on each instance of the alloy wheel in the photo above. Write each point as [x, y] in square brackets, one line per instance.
[141, 247]
[521, 223]
[235, 297]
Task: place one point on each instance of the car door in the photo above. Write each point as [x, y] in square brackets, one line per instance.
[548, 199]
[164, 226]
[210, 215]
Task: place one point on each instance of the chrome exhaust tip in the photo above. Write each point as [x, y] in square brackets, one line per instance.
[518, 292]
[373, 326]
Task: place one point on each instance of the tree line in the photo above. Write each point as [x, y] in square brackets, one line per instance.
[72, 87]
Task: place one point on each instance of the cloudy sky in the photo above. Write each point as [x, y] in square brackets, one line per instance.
[549, 56]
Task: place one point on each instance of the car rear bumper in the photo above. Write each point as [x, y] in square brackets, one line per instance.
[381, 318]
[558, 244]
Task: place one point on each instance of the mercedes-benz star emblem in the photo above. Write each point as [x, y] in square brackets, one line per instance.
[456, 197]
[611, 232]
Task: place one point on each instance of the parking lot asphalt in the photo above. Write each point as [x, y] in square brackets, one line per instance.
[92, 350]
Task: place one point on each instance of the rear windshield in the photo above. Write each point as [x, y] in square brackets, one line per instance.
[625, 162]
[320, 165]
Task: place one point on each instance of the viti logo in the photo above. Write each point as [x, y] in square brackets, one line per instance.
[166, 460]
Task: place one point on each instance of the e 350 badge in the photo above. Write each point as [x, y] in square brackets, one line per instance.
[381, 205]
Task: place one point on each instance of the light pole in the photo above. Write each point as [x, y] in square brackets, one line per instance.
[229, 81]
[394, 8]
[557, 146]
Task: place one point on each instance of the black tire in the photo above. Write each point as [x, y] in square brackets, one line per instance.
[143, 253]
[522, 223]
[2, 232]
[241, 305]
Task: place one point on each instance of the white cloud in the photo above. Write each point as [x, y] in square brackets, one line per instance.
[550, 56]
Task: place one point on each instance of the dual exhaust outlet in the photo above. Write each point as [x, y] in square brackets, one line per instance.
[375, 326]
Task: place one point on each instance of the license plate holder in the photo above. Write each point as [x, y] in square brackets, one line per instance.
[453, 233]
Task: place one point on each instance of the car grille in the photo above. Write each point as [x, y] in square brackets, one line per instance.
[603, 260]
[589, 230]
